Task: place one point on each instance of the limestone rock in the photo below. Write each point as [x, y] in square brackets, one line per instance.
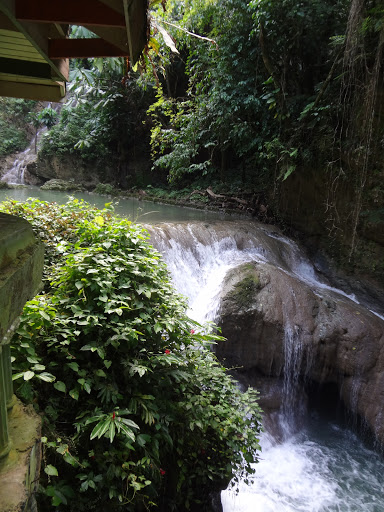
[57, 184]
[333, 339]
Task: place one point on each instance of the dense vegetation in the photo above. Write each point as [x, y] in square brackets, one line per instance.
[255, 100]
[256, 91]
[138, 413]
[265, 97]
[245, 114]
[14, 132]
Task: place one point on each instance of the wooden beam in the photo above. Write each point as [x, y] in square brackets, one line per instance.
[25, 68]
[63, 66]
[73, 12]
[137, 10]
[81, 48]
[116, 5]
[39, 92]
[36, 34]
[115, 36]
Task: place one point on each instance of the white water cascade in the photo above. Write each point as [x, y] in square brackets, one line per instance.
[15, 175]
[321, 467]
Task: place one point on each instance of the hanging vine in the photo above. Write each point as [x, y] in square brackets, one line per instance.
[355, 134]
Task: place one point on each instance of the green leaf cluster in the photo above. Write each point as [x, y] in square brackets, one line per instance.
[140, 413]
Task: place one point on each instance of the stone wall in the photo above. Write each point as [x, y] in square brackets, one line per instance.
[21, 264]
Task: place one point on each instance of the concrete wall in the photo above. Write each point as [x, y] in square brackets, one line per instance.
[21, 264]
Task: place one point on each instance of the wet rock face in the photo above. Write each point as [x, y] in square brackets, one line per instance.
[334, 340]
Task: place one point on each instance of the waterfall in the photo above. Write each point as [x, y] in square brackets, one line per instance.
[199, 255]
[15, 174]
[197, 265]
[318, 466]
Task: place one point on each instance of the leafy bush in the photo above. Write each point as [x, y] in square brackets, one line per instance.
[11, 139]
[138, 411]
[106, 189]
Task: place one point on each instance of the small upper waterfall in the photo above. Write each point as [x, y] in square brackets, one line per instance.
[15, 175]
[199, 255]
[316, 465]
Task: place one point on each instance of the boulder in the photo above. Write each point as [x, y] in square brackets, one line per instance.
[56, 184]
[280, 326]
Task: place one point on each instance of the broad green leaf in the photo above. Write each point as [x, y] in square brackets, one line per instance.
[112, 431]
[44, 315]
[74, 366]
[130, 423]
[60, 386]
[74, 393]
[18, 375]
[127, 431]
[157, 328]
[45, 376]
[51, 470]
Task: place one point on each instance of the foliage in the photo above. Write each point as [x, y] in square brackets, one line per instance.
[247, 94]
[48, 117]
[106, 189]
[139, 412]
[102, 118]
[13, 129]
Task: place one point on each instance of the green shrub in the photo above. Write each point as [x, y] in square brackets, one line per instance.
[106, 189]
[138, 411]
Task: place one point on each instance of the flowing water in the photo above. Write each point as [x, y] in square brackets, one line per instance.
[323, 467]
[15, 174]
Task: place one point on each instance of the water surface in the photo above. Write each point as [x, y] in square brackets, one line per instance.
[135, 209]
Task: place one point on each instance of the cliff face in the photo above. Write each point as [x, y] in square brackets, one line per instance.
[337, 203]
[280, 327]
[89, 174]
[321, 206]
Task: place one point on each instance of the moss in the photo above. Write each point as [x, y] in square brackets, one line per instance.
[57, 184]
[244, 291]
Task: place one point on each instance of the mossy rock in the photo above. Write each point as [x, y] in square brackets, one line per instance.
[3, 185]
[244, 282]
[63, 185]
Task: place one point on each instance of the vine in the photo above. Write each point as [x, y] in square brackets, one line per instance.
[355, 133]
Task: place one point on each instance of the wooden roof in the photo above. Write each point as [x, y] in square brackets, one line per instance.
[34, 48]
